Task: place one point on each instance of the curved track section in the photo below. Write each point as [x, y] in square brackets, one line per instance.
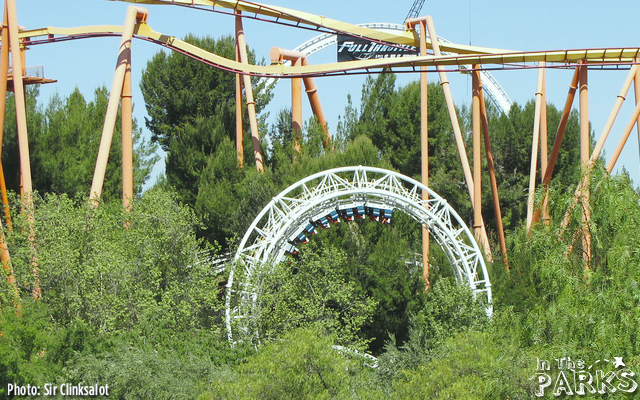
[492, 88]
[343, 194]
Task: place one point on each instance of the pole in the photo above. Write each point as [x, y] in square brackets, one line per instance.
[248, 92]
[477, 154]
[127, 138]
[4, 75]
[492, 175]
[117, 85]
[584, 157]
[544, 148]
[296, 109]
[424, 143]
[239, 127]
[636, 86]
[534, 147]
[444, 82]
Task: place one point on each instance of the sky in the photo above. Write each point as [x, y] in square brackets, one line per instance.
[514, 25]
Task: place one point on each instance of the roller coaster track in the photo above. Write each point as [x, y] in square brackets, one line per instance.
[458, 58]
[326, 198]
[494, 90]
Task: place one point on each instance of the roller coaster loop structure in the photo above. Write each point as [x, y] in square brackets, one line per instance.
[326, 198]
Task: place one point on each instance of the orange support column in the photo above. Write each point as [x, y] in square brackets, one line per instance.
[492, 175]
[316, 107]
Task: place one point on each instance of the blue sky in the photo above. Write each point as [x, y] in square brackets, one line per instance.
[515, 25]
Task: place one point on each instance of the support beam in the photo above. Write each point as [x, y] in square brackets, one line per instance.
[424, 143]
[278, 55]
[623, 139]
[555, 151]
[4, 74]
[477, 154]
[636, 86]
[584, 158]
[5, 201]
[634, 71]
[127, 138]
[492, 175]
[296, 109]
[21, 113]
[124, 54]
[316, 106]
[444, 82]
[544, 148]
[534, 146]
[239, 127]
[7, 267]
[248, 93]
[23, 141]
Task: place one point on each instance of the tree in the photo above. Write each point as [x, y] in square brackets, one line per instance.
[64, 140]
[191, 107]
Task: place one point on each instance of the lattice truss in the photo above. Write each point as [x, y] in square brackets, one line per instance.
[343, 194]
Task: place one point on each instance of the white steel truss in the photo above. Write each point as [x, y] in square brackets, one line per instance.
[327, 197]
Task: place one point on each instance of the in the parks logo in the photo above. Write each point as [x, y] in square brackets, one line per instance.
[567, 376]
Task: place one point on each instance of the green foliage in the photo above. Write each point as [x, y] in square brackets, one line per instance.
[191, 108]
[470, 365]
[64, 138]
[114, 276]
[317, 291]
[301, 365]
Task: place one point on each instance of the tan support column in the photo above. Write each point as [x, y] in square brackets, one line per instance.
[584, 157]
[5, 200]
[296, 108]
[623, 139]
[23, 142]
[4, 74]
[239, 127]
[444, 82]
[477, 154]
[248, 92]
[21, 113]
[7, 267]
[636, 86]
[602, 139]
[124, 54]
[534, 147]
[424, 142]
[127, 138]
[544, 148]
[555, 151]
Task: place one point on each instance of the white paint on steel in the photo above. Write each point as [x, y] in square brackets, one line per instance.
[290, 212]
